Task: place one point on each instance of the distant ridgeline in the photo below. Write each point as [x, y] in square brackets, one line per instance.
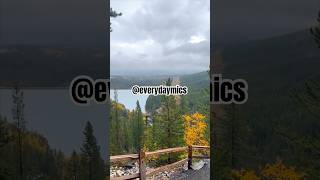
[49, 66]
[126, 82]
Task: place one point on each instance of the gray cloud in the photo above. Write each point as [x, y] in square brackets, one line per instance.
[245, 20]
[46, 22]
[155, 37]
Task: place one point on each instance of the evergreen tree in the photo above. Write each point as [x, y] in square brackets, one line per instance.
[92, 166]
[117, 121]
[169, 123]
[127, 136]
[306, 143]
[231, 137]
[4, 138]
[123, 128]
[59, 164]
[114, 127]
[309, 97]
[303, 135]
[18, 117]
[113, 14]
[138, 128]
[72, 171]
[4, 141]
[150, 142]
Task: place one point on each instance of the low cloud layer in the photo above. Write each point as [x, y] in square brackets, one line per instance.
[63, 23]
[245, 20]
[160, 37]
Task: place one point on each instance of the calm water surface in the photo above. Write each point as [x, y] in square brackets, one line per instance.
[52, 114]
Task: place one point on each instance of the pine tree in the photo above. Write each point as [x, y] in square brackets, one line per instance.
[231, 140]
[217, 157]
[170, 123]
[59, 164]
[309, 97]
[306, 144]
[151, 135]
[233, 135]
[113, 14]
[72, 170]
[115, 131]
[117, 121]
[307, 101]
[92, 166]
[18, 117]
[4, 137]
[122, 123]
[138, 128]
[5, 169]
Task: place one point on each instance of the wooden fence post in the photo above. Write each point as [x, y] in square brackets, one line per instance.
[189, 157]
[142, 165]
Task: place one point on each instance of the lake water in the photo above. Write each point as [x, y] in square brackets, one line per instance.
[130, 100]
[53, 114]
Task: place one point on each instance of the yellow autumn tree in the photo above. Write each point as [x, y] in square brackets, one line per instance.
[278, 171]
[194, 129]
[245, 175]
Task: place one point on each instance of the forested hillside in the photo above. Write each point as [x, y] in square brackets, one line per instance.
[276, 125]
[26, 154]
[40, 161]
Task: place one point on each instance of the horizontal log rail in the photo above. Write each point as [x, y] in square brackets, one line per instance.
[166, 151]
[201, 147]
[121, 158]
[142, 156]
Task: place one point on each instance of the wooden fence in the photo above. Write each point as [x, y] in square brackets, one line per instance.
[143, 156]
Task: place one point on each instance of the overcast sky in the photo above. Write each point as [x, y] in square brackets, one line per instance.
[244, 20]
[152, 36]
[65, 23]
[160, 37]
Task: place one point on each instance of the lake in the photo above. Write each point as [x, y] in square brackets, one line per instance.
[126, 97]
[53, 114]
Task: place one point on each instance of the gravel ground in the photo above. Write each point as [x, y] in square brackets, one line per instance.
[202, 174]
[179, 173]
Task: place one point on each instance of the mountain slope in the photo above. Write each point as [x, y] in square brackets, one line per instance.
[274, 68]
